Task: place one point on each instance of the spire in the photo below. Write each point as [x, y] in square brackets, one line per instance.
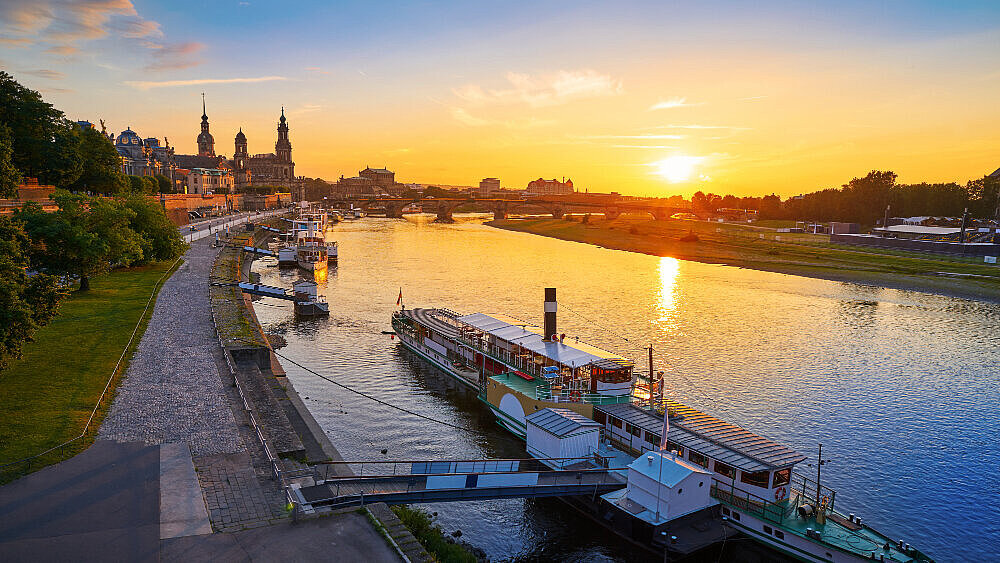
[204, 114]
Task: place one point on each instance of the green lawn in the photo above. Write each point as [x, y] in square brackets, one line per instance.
[49, 393]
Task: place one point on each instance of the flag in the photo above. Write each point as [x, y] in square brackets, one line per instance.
[399, 300]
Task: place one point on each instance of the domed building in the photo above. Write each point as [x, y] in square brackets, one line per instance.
[143, 157]
[206, 142]
[268, 169]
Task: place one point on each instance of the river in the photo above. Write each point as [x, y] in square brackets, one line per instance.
[901, 388]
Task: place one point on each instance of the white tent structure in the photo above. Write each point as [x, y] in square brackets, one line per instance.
[561, 433]
[667, 486]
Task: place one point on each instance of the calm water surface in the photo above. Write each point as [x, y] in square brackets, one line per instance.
[901, 388]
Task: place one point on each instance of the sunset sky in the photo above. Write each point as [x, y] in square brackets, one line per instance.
[654, 98]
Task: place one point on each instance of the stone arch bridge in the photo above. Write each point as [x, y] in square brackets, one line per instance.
[501, 208]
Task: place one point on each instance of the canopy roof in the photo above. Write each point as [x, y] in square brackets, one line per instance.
[665, 467]
[560, 422]
[572, 354]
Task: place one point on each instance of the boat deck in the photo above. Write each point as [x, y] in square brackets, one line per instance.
[530, 388]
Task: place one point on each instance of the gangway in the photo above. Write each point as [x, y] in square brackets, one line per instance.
[259, 289]
[337, 485]
[261, 251]
[270, 229]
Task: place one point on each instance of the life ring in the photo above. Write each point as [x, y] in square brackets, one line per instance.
[824, 501]
[574, 396]
[779, 494]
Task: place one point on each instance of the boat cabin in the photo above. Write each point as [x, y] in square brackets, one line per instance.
[739, 460]
[571, 368]
[561, 437]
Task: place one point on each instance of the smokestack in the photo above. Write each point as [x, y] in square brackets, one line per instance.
[550, 313]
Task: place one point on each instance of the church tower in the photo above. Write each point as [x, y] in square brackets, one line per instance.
[240, 156]
[283, 149]
[206, 143]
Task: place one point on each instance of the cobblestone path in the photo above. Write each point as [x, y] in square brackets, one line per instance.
[172, 391]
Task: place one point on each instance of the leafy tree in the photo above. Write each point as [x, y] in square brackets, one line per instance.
[101, 165]
[84, 237]
[163, 184]
[160, 238]
[26, 302]
[45, 144]
[984, 197]
[9, 175]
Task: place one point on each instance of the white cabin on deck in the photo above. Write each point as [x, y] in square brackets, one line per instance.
[663, 487]
[561, 433]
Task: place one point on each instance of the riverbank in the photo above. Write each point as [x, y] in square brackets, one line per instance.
[767, 250]
[50, 392]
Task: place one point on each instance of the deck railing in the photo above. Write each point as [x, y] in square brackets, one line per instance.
[747, 501]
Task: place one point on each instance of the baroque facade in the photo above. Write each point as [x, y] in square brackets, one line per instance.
[269, 169]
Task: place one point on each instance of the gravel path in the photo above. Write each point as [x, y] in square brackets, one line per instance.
[172, 391]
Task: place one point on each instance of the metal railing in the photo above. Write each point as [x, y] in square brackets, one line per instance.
[21, 467]
[330, 470]
[747, 501]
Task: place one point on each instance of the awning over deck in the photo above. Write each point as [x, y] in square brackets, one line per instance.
[528, 336]
[711, 436]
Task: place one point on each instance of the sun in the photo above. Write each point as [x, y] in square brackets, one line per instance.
[678, 168]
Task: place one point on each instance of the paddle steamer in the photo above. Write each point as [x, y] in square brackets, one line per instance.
[678, 466]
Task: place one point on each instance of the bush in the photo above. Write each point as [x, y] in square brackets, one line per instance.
[431, 536]
[160, 238]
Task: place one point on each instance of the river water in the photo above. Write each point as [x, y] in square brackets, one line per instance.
[901, 388]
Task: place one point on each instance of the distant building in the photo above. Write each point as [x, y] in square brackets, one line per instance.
[209, 180]
[269, 169]
[143, 157]
[488, 187]
[381, 177]
[542, 187]
[370, 181]
[206, 142]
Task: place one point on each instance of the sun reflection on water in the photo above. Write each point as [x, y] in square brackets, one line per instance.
[667, 300]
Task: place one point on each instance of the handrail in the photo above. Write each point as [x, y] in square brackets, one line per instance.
[107, 385]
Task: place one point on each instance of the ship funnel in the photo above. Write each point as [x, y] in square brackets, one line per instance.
[550, 314]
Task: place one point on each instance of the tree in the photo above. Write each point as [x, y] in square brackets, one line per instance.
[160, 238]
[84, 237]
[984, 197]
[45, 144]
[101, 165]
[163, 184]
[9, 175]
[26, 302]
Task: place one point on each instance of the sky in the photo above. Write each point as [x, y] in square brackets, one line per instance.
[643, 98]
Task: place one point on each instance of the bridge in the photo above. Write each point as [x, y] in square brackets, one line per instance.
[610, 205]
[342, 484]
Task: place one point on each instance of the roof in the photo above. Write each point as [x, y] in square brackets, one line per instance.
[439, 320]
[922, 230]
[560, 422]
[190, 161]
[711, 436]
[996, 173]
[529, 336]
[379, 170]
[665, 468]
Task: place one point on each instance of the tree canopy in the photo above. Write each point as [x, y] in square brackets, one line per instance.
[26, 302]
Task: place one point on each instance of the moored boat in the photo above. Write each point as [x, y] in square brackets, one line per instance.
[735, 477]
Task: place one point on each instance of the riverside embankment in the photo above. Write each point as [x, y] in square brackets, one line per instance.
[767, 250]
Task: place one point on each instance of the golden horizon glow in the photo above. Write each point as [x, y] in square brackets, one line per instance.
[797, 98]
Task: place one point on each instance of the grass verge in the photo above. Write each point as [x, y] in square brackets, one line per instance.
[431, 537]
[765, 249]
[50, 392]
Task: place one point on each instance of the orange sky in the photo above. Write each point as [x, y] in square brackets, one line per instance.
[641, 98]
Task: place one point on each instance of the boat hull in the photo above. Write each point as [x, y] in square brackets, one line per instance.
[436, 360]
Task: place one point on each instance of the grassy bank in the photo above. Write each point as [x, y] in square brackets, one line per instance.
[431, 536]
[765, 249]
[49, 393]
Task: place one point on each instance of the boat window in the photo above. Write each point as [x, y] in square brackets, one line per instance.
[779, 534]
[782, 477]
[698, 458]
[635, 431]
[724, 470]
[736, 515]
[612, 375]
[599, 417]
[616, 422]
[675, 447]
[757, 478]
[725, 511]
[652, 438]
[767, 529]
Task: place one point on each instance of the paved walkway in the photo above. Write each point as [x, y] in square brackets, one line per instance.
[172, 391]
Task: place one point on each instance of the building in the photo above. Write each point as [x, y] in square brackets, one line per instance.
[204, 181]
[488, 187]
[381, 177]
[542, 187]
[269, 169]
[206, 142]
[143, 157]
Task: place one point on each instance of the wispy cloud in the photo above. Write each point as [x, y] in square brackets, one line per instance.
[45, 73]
[698, 126]
[316, 69]
[64, 50]
[543, 90]
[751, 98]
[15, 41]
[669, 147]
[673, 103]
[71, 21]
[174, 56]
[465, 118]
[147, 84]
[633, 137]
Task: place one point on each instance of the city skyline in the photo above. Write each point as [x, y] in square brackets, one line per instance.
[641, 99]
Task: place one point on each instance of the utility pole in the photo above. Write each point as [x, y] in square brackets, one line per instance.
[885, 222]
[961, 232]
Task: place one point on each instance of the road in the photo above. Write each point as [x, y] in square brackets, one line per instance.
[208, 227]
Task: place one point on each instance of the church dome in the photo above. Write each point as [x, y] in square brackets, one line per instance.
[240, 136]
[128, 138]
